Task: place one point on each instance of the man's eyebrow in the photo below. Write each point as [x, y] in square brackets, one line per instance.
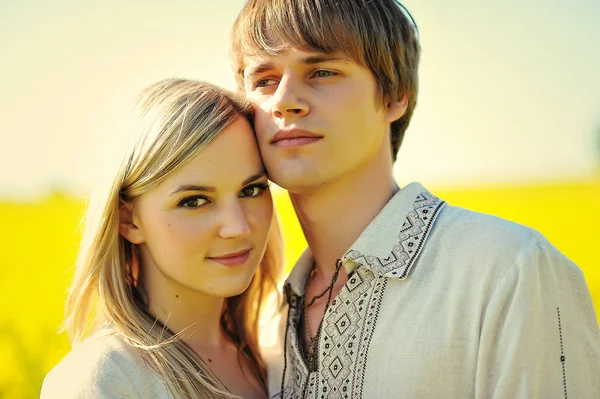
[309, 60]
[194, 187]
[318, 59]
[258, 69]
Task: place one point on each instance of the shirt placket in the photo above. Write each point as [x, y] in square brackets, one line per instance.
[341, 337]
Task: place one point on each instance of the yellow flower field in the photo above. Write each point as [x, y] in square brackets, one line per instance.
[39, 245]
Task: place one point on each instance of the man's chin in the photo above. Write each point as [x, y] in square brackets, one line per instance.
[294, 174]
[297, 183]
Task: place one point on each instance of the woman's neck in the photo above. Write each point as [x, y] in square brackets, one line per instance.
[194, 315]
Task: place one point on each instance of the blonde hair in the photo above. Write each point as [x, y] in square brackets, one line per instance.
[174, 120]
[378, 34]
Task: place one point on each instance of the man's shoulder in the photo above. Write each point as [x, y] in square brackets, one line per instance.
[488, 241]
[481, 230]
[97, 367]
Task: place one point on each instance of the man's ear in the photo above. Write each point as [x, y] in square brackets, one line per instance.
[395, 109]
[128, 227]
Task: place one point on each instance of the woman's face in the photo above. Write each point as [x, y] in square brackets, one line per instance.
[204, 228]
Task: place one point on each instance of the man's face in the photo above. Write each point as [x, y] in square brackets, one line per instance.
[317, 117]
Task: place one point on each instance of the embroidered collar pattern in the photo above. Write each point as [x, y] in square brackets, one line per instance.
[349, 322]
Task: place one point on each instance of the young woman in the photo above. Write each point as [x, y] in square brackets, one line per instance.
[180, 254]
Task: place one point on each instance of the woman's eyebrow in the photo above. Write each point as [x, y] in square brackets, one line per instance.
[254, 177]
[194, 187]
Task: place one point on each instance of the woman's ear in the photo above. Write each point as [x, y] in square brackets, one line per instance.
[128, 227]
[395, 109]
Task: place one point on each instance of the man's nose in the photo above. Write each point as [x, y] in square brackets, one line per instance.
[289, 100]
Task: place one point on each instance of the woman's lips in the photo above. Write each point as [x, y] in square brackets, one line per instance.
[234, 259]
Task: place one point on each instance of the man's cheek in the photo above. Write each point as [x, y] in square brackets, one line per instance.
[262, 125]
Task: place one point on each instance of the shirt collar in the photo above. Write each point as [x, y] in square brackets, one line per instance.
[390, 244]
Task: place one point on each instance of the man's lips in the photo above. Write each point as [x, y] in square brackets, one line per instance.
[294, 138]
[232, 259]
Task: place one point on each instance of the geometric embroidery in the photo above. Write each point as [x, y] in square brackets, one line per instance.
[411, 238]
[335, 367]
[342, 324]
[344, 341]
[297, 381]
[342, 348]
[350, 320]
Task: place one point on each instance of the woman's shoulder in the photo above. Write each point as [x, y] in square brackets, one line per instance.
[103, 366]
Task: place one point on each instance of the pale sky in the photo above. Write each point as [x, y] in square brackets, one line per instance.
[509, 91]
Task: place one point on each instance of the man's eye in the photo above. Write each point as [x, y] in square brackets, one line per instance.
[264, 83]
[192, 202]
[323, 73]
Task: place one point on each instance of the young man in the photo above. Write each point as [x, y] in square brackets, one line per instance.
[399, 294]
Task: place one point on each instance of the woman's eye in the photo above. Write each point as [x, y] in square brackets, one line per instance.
[254, 191]
[192, 202]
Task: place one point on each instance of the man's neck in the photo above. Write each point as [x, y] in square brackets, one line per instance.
[334, 215]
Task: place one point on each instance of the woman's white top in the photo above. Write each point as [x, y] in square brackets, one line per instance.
[103, 366]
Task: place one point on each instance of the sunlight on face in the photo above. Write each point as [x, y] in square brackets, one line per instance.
[204, 228]
[317, 116]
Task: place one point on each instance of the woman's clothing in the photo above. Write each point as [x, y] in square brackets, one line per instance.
[103, 366]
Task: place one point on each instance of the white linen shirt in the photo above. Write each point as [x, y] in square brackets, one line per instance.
[442, 302]
[103, 367]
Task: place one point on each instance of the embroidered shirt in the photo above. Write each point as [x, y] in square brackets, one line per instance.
[442, 302]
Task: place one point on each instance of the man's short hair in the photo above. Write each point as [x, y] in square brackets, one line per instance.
[378, 34]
